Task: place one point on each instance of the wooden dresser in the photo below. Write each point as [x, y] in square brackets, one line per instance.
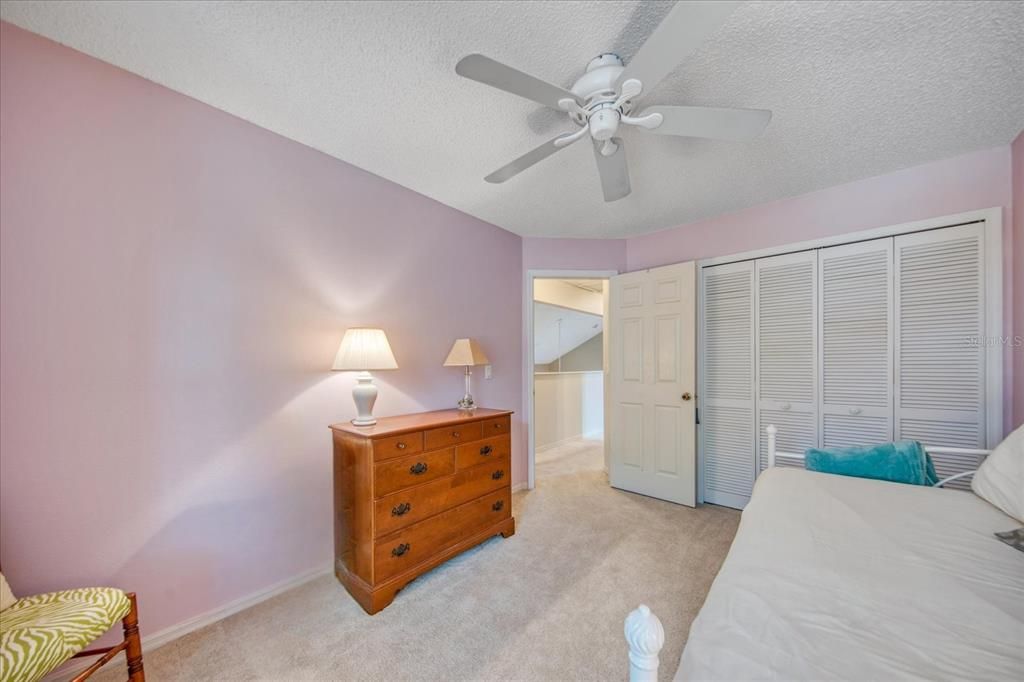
[413, 491]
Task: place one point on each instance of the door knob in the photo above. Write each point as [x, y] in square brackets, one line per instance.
[687, 396]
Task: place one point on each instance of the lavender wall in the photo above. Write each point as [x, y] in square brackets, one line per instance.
[1017, 174]
[574, 254]
[175, 283]
[965, 183]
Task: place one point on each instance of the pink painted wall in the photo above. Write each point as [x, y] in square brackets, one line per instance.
[174, 283]
[1017, 153]
[972, 181]
[574, 254]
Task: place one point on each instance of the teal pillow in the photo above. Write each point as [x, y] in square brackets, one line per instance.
[902, 462]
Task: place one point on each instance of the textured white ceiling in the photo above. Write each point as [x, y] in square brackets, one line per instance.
[857, 89]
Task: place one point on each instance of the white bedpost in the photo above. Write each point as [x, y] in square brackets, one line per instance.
[771, 431]
[645, 637]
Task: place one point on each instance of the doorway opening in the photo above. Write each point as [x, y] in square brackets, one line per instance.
[568, 363]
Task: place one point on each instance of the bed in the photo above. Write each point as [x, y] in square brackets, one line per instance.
[832, 577]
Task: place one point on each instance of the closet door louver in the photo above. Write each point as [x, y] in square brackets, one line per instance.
[940, 360]
[727, 393]
[855, 285]
[785, 329]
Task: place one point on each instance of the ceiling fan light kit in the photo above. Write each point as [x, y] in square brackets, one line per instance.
[601, 102]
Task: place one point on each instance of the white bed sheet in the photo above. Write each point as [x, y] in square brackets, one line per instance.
[832, 577]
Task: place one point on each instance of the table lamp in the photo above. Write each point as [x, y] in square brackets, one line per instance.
[362, 350]
[466, 353]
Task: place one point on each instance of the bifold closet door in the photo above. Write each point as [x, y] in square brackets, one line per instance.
[940, 360]
[785, 336]
[856, 313]
[727, 394]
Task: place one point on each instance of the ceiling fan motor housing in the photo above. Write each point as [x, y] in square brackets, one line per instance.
[598, 83]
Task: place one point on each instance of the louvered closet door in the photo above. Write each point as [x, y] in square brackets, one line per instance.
[727, 393]
[786, 334]
[855, 285]
[940, 391]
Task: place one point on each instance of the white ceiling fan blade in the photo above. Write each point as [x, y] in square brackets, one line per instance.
[613, 170]
[489, 72]
[526, 160]
[677, 36]
[717, 123]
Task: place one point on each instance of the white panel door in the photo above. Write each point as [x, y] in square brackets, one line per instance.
[940, 360]
[652, 352]
[786, 383]
[855, 285]
[727, 384]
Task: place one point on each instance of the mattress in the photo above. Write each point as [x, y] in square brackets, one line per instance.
[832, 577]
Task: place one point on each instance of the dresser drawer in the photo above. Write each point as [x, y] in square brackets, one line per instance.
[408, 547]
[396, 474]
[396, 446]
[451, 435]
[481, 451]
[496, 426]
[407, 507]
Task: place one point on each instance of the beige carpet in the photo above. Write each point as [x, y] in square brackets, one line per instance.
[545, 604]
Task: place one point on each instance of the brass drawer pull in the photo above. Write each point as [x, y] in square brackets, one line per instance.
[401, 510]
[498, 506]
[418, 468]
[498, 474]
[456, 434]
[400, 446]
[401, 549]
[486, 450]
[498, 426]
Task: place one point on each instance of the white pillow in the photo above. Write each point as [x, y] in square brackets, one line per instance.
[1000, 478]
[7, 597]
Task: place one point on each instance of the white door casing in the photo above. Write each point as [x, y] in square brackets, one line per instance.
[652, 383]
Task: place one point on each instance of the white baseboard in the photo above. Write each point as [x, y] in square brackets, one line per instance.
[156, 640]
[520, 486]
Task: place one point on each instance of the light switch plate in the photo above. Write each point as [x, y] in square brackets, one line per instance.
[487, 371]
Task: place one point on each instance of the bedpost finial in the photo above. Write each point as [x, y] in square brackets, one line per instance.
[645, 636]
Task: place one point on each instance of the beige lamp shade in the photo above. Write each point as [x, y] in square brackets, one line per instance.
[364, 349]
[465, 353]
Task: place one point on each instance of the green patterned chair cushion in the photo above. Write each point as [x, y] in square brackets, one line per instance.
[39, 633]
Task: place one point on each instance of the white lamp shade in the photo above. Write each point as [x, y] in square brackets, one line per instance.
[364, 349]
[465, 353]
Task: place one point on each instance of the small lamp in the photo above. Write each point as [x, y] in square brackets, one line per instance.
[466, 353]
[362, 350]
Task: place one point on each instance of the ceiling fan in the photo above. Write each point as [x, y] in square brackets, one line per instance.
[604, 98]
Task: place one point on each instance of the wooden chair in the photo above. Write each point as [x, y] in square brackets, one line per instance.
[41, 632]
[131, 645]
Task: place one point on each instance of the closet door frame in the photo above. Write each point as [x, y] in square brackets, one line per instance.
[994, 352]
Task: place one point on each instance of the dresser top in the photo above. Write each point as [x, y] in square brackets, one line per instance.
[390, 426]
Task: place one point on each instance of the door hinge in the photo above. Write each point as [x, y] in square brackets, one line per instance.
[696, 415]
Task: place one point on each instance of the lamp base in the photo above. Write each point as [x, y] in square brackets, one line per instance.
[467, 400]
[364, 393]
